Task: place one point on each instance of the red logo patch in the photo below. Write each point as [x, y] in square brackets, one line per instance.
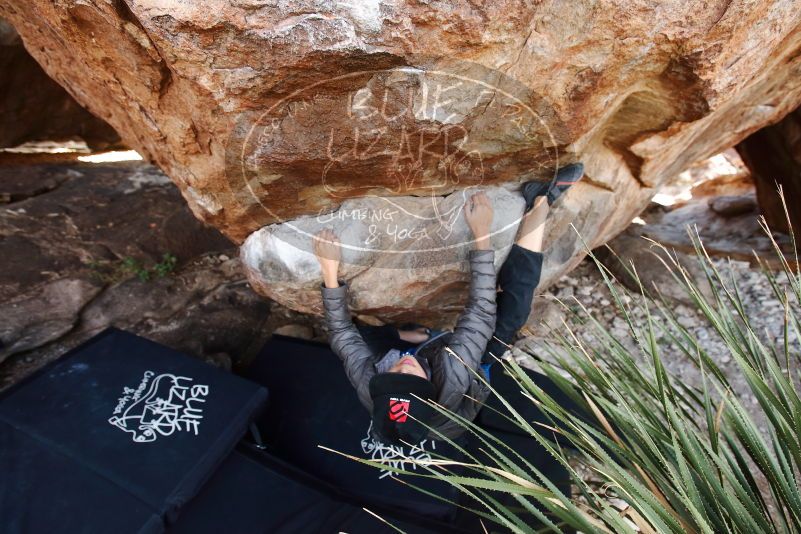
[398, 410]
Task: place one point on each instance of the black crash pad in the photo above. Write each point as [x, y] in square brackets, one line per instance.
[312, 403]
[256, 492]
[116, 436]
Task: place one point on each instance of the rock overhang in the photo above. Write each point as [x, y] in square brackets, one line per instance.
[637, 91]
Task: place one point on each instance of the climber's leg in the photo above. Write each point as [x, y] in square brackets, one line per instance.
[520, 274]
[517, 280]
[532, 228]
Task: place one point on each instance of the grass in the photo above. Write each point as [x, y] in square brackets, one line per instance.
[664, 456]
[113, 272]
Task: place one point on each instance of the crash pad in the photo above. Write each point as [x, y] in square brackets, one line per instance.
[117, 435]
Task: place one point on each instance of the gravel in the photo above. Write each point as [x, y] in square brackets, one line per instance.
[587, 287]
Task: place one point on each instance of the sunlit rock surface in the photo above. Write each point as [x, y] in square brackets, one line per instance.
[267, 113]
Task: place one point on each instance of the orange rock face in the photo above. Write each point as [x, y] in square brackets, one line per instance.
[267, 113]
[35, 108]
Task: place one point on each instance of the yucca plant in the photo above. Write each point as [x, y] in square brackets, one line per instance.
[661, 455]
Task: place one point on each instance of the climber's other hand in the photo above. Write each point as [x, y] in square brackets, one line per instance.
[329, 254]
[478, 212]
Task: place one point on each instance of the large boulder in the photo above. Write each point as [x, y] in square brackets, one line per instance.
[35, 108]
[773, 154]
[114, 244]
[275, 118]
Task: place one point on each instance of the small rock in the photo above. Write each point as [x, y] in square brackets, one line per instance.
[545, 316]
[732, 206]
[565, 292]
[682, 310]
[620, 333]
[370, 320]
[649, 262]
[218, 359]
[44, 314]
[300, 331]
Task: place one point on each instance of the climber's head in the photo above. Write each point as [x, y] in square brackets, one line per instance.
[400, 411]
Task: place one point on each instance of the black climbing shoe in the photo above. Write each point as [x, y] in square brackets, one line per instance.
[561, 182]
[565, 177]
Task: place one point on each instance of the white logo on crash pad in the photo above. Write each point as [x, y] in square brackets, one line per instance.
[160, 406]
[397, 456]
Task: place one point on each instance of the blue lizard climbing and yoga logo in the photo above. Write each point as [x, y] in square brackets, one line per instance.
[160, 406]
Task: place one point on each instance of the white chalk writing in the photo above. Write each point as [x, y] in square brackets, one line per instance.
[397, 456]
[160, 406]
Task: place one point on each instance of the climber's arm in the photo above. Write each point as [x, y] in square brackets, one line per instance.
[475, 326]
[344, 337]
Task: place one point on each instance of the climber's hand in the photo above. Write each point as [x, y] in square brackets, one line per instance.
[329, 254]
[478, 212]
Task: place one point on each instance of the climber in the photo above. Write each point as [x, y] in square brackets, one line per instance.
[442, 367]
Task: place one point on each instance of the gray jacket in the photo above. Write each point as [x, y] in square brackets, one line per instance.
[452, 379]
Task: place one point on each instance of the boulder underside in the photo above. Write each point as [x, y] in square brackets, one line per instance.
[380, 118]
[35, 108]
[773, 155]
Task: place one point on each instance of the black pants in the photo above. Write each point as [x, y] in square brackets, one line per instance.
[518, 278]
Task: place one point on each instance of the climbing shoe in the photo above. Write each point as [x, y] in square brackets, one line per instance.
[561, 182]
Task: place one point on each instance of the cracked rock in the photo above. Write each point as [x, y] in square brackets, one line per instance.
[417, 99]
[43, 315]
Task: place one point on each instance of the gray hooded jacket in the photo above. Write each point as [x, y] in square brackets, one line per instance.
[459, 390]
